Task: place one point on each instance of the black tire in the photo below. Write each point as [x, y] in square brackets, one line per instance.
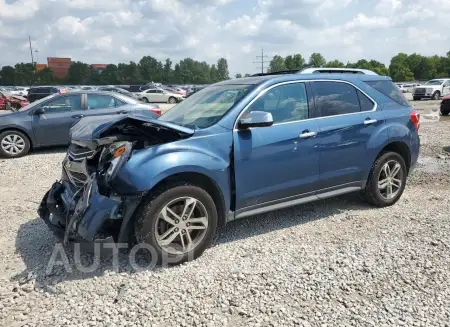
[146, 219]
[26, 142]
[444, 113]
[172, 100]
[417, 98]
[436, 95]
[371, 193]
[146, 100]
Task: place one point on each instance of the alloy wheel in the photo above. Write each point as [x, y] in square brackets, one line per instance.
[13, 144]
[390, 179]
[181, 225]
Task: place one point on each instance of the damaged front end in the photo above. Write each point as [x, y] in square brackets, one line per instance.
[84, 203]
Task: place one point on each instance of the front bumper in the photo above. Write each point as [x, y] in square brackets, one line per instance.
[72, 214]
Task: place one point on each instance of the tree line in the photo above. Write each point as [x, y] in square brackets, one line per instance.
[148, 69]
[403, 67]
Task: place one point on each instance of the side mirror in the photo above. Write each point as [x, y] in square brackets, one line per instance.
[256, 119]
[39, 111]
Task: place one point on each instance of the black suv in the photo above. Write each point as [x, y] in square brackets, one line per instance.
[36, 93]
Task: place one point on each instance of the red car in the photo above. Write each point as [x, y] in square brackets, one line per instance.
[10, 101]
[445, 105]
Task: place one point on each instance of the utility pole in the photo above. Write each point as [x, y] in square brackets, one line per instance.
[32, 62]
[261, 60]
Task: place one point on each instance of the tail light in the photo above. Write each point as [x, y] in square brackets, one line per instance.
[415, 117]
[156, 110]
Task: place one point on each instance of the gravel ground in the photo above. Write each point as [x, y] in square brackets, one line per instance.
[338, 262]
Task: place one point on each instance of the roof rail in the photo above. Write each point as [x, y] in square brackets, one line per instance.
[331, 70]
[281, 72]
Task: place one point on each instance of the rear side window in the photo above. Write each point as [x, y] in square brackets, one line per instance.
[390, 90]
[365, 103]
[335, 98]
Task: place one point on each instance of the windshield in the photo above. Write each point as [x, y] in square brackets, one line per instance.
[206, 107]
[435, 82]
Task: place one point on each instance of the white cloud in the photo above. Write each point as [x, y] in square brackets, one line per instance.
[111, 31]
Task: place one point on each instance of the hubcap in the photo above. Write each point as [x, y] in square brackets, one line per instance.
[13, 144]
[181, 225]
[390, 179]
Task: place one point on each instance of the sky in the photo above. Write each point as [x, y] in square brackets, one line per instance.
[112, 31]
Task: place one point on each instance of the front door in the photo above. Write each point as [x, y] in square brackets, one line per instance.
[347, 122]
[60, 114]
[281, 161]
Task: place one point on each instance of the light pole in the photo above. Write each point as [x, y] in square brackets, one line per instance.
[36, 51]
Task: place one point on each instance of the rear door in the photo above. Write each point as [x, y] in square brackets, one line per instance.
[60, 114]
[446, 88]
[347, 120]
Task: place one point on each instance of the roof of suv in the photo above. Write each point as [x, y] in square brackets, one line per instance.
[253, 80]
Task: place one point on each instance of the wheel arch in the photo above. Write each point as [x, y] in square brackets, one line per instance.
[205, 182]
[398, 147]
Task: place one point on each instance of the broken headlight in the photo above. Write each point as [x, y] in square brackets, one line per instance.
[114, 157]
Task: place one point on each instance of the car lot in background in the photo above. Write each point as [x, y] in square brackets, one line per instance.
[433, 89]
[40, 92]
[12, 102]
[46, 122]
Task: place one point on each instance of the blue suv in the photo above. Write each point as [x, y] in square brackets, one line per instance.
[234, 149]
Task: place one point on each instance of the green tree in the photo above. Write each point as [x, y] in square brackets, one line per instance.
[222, 69]
[45, 77]
[247, 75]
[8, 76]
[167, 71]
[79, 73]
[335, 64]
[277, 64]
[238, 75]
[317, 60]
[295, 61]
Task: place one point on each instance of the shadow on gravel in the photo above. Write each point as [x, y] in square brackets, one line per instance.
[35, 243]
[58, 149]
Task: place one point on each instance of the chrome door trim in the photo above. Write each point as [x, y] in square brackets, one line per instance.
[262, 92]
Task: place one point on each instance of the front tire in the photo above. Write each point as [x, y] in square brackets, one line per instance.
[172, 100]
[436, 95]
[386, 181]
[417, 98]
[178, 222]
[14, 144]
[146, 100]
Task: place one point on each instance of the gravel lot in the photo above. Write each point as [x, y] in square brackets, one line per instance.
[338, 262]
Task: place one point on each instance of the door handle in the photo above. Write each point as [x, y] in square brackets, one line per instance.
[369, 121]
[307, 134]
[77, 116]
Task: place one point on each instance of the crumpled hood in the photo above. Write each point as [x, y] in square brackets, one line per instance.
[94, 128]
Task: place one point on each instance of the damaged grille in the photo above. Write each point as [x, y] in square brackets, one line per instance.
[78, 153]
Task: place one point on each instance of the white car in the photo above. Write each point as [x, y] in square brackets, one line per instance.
[22, 91]
[159, 95]
[433, 89]
[402, 88]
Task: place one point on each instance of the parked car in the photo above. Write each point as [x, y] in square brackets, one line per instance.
[12, 102]
[410, 87]
[234, 149]
[20, 90]
[176, 90]
[322, 70]
[159, 95]
[46, 122]
[432, 89]
[445, 105]
[40, 92]
[118, 90]
[402, 88]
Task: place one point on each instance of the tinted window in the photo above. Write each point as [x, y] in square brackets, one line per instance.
[390, 90]
[63, 103]
[365, 103]
[334, 98]
[100, 101]
[285, 102]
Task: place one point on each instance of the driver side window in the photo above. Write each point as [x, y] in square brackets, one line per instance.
[286, 103]
[63, 104]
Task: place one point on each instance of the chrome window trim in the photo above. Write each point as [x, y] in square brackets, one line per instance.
[262, 92]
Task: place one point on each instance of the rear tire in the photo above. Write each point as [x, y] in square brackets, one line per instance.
[417, 98]
[151, 228]
[14, 144]
[444, 113]
[380, 182]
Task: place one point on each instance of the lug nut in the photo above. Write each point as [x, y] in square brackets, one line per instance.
[183, 231]
[176, 229]
[188, 224]
[176, 221]
[184, 218]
